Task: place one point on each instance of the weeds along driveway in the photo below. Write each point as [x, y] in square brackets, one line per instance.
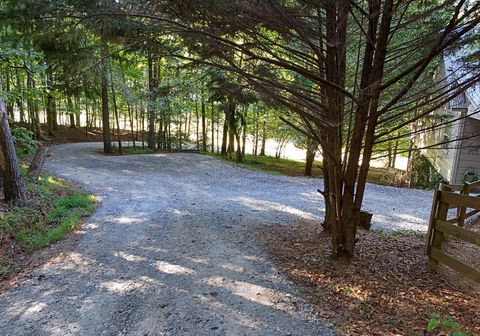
[171, 250]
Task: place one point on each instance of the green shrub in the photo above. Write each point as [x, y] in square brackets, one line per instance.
[24, 141]
[446, 325]
[424, 175]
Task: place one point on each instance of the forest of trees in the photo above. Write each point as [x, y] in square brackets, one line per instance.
[348, 79]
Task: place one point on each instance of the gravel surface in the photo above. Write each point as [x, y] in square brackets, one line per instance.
[170, 251]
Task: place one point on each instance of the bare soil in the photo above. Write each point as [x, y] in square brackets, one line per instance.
[385, 290]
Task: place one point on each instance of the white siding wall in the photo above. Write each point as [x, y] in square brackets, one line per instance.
[469, 156]
[442, 156]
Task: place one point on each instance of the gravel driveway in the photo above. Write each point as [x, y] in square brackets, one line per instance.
[170, 251]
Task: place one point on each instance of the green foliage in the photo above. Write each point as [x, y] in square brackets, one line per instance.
[55, 210]
[14, 219]
[63, 218]
[138, 150]
[446, 325]
[24, 141]
[272, 165]
[5, 267]
[424, 175]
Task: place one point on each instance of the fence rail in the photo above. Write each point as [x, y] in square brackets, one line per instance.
[446, 198]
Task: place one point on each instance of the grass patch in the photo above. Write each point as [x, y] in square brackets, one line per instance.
[137, 150]
[6, 267]
[400, 233]
[270, 164]
[54, 209]
[61, 219]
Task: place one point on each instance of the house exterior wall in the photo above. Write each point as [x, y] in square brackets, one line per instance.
[469, 153]
[442, 156]
[449, 159]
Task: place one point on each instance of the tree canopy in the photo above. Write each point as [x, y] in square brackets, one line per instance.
[347, 77]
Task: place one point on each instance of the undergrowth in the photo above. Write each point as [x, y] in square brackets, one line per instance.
[137, 150]
[281, 166]
[54, 209]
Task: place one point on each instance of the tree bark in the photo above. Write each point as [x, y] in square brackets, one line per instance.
[255, 141]
[244, 133]
[150, 107]
[264, 138]
[197, 128]
[107, 143]
[71, 114]
[33, 109]
[51, 108]
[212, 109]
[115, 111]
[35, 168]
[394, 156]
[312, 147]
[14, 188]
[204, 127]
[77, 112]
[225, 133]
[9, 105]
[231, 129]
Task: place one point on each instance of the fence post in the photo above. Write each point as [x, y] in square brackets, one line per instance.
[431, 222]
[436, 237]
[463, 210]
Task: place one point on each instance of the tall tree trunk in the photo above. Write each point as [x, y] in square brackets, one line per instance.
[410, 153]
[264, 138]
[71, 114]
[115, 111]
[179, 131]
[169, 133]
[204, 128]
[225, 133]
[33, 110]
[142, 112]
[21, 108]
[87, 118]
[255, 135]
[50, 107]
[389, 155]
[395, 152]
[9, 105]
[107, 143]
[152, 84]
[231, 129]
[137, 124]
[239, 158]
[130, 116]
[213, 126]
[189, 124]
[198, 124]
[244, 133]
[77, 111]
[312, 147]
[14, 188]
[346, 185]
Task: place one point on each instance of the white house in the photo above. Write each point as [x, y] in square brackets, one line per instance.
[455, 143]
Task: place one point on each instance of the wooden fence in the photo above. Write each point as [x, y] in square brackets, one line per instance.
[445, 198]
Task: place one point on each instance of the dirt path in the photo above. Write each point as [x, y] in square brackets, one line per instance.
[170, 251]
